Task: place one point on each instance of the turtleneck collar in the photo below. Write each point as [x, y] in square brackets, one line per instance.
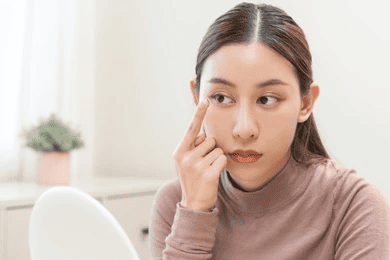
[275, 192]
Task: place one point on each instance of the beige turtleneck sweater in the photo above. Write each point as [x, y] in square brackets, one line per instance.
[321, 212]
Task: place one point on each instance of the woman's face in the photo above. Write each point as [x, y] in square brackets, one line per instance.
[244, 116]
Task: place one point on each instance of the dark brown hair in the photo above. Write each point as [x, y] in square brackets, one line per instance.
[281, 33]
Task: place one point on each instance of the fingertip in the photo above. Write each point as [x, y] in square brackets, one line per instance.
[207, 102]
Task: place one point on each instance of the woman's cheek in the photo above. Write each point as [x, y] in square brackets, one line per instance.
[218, 123]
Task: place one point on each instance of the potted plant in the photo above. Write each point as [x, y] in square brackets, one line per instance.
[54, 141]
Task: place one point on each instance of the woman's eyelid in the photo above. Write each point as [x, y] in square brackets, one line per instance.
[228, 95]
[214, 94]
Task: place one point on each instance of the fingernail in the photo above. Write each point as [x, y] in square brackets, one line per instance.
[207, 102]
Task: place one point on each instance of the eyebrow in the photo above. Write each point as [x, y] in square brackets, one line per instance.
[267, 83]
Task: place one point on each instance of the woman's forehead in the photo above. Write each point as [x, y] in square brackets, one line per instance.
[247, 65]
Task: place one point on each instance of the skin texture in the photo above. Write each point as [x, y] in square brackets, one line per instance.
[243, 118]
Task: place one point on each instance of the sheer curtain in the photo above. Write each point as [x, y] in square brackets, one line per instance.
[46, 66]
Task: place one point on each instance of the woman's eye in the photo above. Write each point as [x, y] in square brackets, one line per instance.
[267, 98]
[219, 98]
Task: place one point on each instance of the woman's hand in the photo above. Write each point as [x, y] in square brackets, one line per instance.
[198, 168]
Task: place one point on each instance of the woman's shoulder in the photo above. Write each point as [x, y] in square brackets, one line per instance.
[344, 183]
[360, 210]
[331, 172]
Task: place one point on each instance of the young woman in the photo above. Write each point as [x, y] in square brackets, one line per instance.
[257, 183]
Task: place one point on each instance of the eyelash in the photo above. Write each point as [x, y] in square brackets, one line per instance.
[220, 94]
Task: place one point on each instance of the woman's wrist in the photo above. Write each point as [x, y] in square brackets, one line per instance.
[194, 208]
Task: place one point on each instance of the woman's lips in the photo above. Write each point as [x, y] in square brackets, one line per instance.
[245, 153]
[246, 157]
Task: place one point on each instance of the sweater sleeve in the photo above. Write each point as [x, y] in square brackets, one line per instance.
[364, 216]
[177, 232]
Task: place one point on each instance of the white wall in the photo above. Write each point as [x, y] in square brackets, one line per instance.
[146, 55]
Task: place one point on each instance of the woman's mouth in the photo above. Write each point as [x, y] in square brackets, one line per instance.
[245, 157]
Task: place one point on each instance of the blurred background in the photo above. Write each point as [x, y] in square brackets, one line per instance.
[118, 71]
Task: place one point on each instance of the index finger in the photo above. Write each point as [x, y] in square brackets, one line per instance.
[196, 123]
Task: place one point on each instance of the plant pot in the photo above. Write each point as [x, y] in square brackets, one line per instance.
[54, 169]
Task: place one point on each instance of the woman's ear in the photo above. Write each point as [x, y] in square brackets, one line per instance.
[307, 104]
[192, 87]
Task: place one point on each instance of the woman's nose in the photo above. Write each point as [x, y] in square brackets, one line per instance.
[246, 124]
